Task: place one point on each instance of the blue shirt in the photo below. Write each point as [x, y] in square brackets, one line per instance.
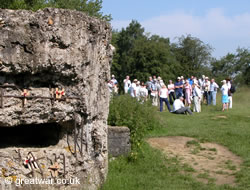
[178, 84]
[190, 81]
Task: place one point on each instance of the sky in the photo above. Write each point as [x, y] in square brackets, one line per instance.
[223, 24]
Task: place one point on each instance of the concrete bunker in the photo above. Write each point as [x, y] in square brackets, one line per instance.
[54, 100]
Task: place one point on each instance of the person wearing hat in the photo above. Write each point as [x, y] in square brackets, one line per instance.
[178, 87]
[224, 92]
[197, 97]
[206, 88]
[179, 108]
[137, 90]
[115, 84]
[114, 80]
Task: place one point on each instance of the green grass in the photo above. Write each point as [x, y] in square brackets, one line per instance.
[156, 171]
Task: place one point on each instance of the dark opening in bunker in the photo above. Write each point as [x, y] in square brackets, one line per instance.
[36, 135]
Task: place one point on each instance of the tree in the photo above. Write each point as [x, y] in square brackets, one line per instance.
[236, 66]
[193, 55]
[140, 55]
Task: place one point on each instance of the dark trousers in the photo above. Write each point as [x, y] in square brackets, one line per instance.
[207, 97]
[166, 102]
[184, 110]
[171, 98]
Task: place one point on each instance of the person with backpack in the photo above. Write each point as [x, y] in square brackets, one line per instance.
[230, 94]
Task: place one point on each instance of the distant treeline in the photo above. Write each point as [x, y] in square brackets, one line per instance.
[140, 55]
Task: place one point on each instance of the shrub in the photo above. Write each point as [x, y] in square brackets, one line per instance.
[138, 117]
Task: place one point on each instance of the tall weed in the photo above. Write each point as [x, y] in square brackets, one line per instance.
[137, 116]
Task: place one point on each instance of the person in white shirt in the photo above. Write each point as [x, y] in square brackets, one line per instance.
[143, 92]
[197, 97]
[115, 84]
[230, 97]
[137, 90]
[127, 84]
[213, 91]
[110, 86]
[224, 90]
[201, 81]
[171, 92]
[132, 88]
[154, 93]
[179, 107]
[163, 94]
[206, 87]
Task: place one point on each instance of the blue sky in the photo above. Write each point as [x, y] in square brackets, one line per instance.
[223, 24]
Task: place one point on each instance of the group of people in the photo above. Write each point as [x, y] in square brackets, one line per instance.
[180, 94]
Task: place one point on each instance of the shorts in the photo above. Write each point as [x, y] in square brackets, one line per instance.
[225, 99]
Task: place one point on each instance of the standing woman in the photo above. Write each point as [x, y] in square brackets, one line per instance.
[163, 94]
[224, 91]
[171, 92]
[188, 93]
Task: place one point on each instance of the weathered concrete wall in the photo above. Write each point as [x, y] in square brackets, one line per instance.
[41, 51]
[118, 141]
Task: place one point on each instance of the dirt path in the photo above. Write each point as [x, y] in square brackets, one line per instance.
[210, 161]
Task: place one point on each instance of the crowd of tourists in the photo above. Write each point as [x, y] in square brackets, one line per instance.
[179, 95]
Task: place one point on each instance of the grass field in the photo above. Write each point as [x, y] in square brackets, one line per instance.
[154, 170]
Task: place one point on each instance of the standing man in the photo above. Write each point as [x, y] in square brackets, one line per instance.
[115, 84]
[197, 97]
[148, 84]
[154, 93]
[178, 87]
[127, 84]
[230, 97]
[206, 87]
[213, 91]
[201, 82]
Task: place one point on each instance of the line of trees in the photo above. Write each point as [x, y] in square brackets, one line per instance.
[139, 55]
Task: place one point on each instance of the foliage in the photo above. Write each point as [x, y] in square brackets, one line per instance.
[140, 55]
[92, 7]
[235, 66]
[193, 55]
[138, 117]
[155, 171]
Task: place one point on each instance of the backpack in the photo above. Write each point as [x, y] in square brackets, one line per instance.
[232, 89]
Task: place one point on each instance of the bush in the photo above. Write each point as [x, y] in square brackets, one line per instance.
[138, 117]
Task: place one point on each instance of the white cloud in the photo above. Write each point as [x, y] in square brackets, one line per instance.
[224, 33]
